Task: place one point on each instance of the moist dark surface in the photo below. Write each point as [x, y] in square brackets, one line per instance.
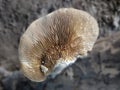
[100, 71]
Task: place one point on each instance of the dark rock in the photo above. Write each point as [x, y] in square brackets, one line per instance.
[99, 71]
[17, 81]
[15, 16]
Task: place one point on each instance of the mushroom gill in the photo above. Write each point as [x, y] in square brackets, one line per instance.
[58, 37]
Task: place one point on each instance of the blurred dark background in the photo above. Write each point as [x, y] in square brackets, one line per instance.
[100, 71]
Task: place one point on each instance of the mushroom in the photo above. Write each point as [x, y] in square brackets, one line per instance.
[55, 41]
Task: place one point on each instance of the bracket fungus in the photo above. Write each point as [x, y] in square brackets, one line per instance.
[54, 41]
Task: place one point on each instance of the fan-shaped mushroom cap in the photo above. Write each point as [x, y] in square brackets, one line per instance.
[57, 37]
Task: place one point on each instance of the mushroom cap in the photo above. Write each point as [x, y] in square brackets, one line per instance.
[57, 37]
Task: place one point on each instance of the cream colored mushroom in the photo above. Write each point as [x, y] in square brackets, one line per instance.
[54, 40]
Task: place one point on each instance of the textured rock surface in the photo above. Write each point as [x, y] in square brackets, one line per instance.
[99, 72]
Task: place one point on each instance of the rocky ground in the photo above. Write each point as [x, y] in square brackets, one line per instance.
[98, 71]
